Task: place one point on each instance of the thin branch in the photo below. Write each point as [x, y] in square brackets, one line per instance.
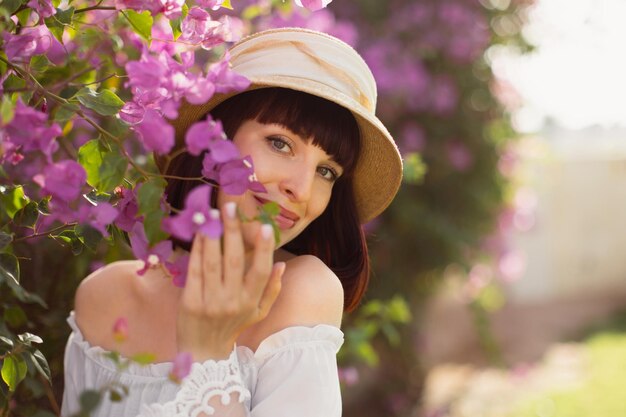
[87, 9]
[50, 395]
[46, 233]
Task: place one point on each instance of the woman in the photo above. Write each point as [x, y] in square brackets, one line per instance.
[263, 335]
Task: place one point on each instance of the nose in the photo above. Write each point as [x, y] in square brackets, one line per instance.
[298, 184]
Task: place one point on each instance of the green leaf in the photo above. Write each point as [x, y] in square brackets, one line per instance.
[144, 358]
[115, 395]
[10, 6]
[95, 198]
[392, 334]
[27, 216]
[15, 316]
[399, 310]
[42, 206]
[23, 16]
[41, 364]
[57, 22]
[5, 240]
[152, 227]
[112, 171]
[64, 17]
[6, 341]
[271, 209]
[105, 102]
[12, 199]
[9, 269]
[90, 156]
[89, 400]
[65, 112]
[373, 307]
[141, 22]
[150, 194]
[366, 352]
[89, 236]
[414, 169]
[251, 12]
[39, 63]
[7, 110]
[28, 338]
[13, 371]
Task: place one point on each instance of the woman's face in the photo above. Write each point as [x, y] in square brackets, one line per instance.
[297, 175]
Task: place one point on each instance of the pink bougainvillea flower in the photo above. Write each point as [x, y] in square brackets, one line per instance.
[128, 209]
[162, 37]
[232, 28]
[196, 217]
[62, 180]
[31, 41]
[28, 131]
[151, 256]
[199, 28]
[210, 4]
[225, 79]
[149, 72]
[131, 113]
[181, 367]
[172, 9]
[234, 176]
[201, 134]
[155, 133]
[178, 270]
[200, 91]
[153, 6]
[120, 329]
[313, 5]
[98, 217]
[459, 156]
[44, 8]
[349, 375]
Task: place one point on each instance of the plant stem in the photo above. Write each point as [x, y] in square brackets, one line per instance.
[50, 395]
[87, 9]
[45, 233]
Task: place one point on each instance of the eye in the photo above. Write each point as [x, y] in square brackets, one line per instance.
[279, 144]
[328, 173]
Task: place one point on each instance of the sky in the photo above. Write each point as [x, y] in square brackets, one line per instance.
[577, 74]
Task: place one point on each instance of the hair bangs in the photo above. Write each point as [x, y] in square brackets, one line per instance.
[330, 126]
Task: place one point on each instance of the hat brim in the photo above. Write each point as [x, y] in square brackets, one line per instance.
[378, 172]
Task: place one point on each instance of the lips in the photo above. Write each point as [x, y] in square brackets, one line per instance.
[286, 219]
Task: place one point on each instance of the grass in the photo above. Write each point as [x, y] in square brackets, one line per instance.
[602, 392]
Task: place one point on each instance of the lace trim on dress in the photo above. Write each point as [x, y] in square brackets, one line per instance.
[205, 381]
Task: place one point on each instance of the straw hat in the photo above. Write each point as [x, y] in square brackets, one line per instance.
[324, 66]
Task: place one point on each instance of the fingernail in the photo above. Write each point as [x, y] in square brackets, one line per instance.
[266, 231]
[230, 209]
[215, 214]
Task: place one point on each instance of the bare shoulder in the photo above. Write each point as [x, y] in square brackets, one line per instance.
[102, 296]
[311, 294]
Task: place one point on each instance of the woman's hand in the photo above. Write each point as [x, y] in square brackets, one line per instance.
[223, 295]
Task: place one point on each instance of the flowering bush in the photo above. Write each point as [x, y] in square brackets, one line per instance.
[87, 88]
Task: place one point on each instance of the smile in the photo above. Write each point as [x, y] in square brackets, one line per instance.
[286, 219]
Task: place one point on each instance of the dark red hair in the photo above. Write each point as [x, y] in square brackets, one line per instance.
[336, 236]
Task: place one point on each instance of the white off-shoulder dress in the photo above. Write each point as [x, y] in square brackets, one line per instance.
[292, 373]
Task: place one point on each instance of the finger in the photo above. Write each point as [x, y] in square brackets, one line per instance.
[272, 289]
[233, 254]
[193, 285]
[262, 260]
[211, 263]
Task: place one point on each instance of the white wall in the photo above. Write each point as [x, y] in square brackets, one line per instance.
[578, 242]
